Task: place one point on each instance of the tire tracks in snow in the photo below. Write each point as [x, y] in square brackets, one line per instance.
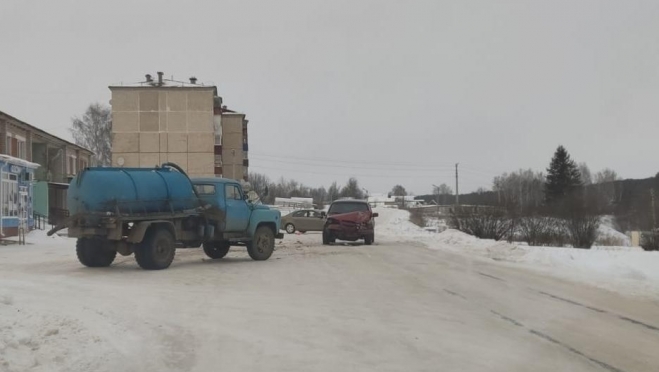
[546, 337]
[601, 311]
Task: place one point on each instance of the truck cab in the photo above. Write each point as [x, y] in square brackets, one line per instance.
[235, 220]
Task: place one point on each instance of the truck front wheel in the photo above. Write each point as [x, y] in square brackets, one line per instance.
[217, 250]
[156, 252]
[95, 252]
[262, 245]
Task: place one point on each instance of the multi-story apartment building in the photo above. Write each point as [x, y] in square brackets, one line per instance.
[163, 120]
[231, 159]
[36, 169]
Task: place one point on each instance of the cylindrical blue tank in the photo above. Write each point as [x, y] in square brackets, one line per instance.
[130, 191]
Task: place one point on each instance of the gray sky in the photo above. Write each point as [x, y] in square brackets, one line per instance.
[387, 91]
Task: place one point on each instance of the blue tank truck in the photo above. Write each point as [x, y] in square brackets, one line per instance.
[152, 211]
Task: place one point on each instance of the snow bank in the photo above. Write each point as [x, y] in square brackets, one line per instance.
[622, 268]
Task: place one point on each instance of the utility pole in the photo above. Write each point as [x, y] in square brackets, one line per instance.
[457, 191]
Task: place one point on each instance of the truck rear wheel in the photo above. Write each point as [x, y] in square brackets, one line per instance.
[95, 252]
[156, 252]
[262, 245]
[217, 250]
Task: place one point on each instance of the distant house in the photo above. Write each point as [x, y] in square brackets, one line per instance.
[50, 163]
[294, 202]
[380, 200]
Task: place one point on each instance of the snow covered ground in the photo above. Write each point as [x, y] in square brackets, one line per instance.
[463, 305]
[625, 269]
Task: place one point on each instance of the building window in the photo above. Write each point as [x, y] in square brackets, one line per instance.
[9, 195]
[83, 163]
[15, 146]
[21, 150]
[72, 165]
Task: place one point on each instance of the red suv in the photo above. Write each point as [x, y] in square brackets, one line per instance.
[350, 220]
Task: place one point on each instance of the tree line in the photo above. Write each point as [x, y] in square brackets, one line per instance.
[560, 207]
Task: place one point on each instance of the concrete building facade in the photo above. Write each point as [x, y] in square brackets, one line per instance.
[58, 162]
[158, 121]
[231, 152]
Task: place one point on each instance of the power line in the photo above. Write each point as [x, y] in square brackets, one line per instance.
[333, 160]
[355, 174]
[383, 168]
[386, 166]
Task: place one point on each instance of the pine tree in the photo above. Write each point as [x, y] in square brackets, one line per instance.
[563, 176]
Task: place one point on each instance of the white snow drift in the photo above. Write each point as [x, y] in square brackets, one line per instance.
[625, 269]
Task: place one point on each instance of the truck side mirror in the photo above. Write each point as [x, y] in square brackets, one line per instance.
[376, 214]
[245, 197]
[323, 214]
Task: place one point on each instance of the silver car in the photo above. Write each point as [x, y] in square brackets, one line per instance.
[303, 220]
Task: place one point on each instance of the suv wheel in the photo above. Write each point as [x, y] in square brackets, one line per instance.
[327, 237]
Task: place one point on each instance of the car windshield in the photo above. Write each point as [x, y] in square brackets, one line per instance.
[339, 208]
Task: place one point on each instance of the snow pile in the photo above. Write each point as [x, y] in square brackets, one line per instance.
[608, 233]
[395, 224]
[628, 269]
[456, 237]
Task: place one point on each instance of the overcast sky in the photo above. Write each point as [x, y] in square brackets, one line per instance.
[387, 91]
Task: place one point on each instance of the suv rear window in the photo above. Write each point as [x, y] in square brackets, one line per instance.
[340, 208]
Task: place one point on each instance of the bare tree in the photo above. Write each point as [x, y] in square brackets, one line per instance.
[605, 181]
[580, 214]
[586, 177]
[606, 175]
[486, 223]
[352, 189]
[333, 192]
[539, 230]
[398, 190]
[94, 132]
[523, 189]
[442, 189]
[259, 183]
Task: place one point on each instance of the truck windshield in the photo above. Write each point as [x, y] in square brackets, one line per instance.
[205, 189]
[339, 208]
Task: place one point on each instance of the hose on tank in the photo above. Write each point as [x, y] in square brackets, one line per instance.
[180, 170]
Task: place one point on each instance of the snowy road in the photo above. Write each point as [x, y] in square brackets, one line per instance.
[393, 306]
